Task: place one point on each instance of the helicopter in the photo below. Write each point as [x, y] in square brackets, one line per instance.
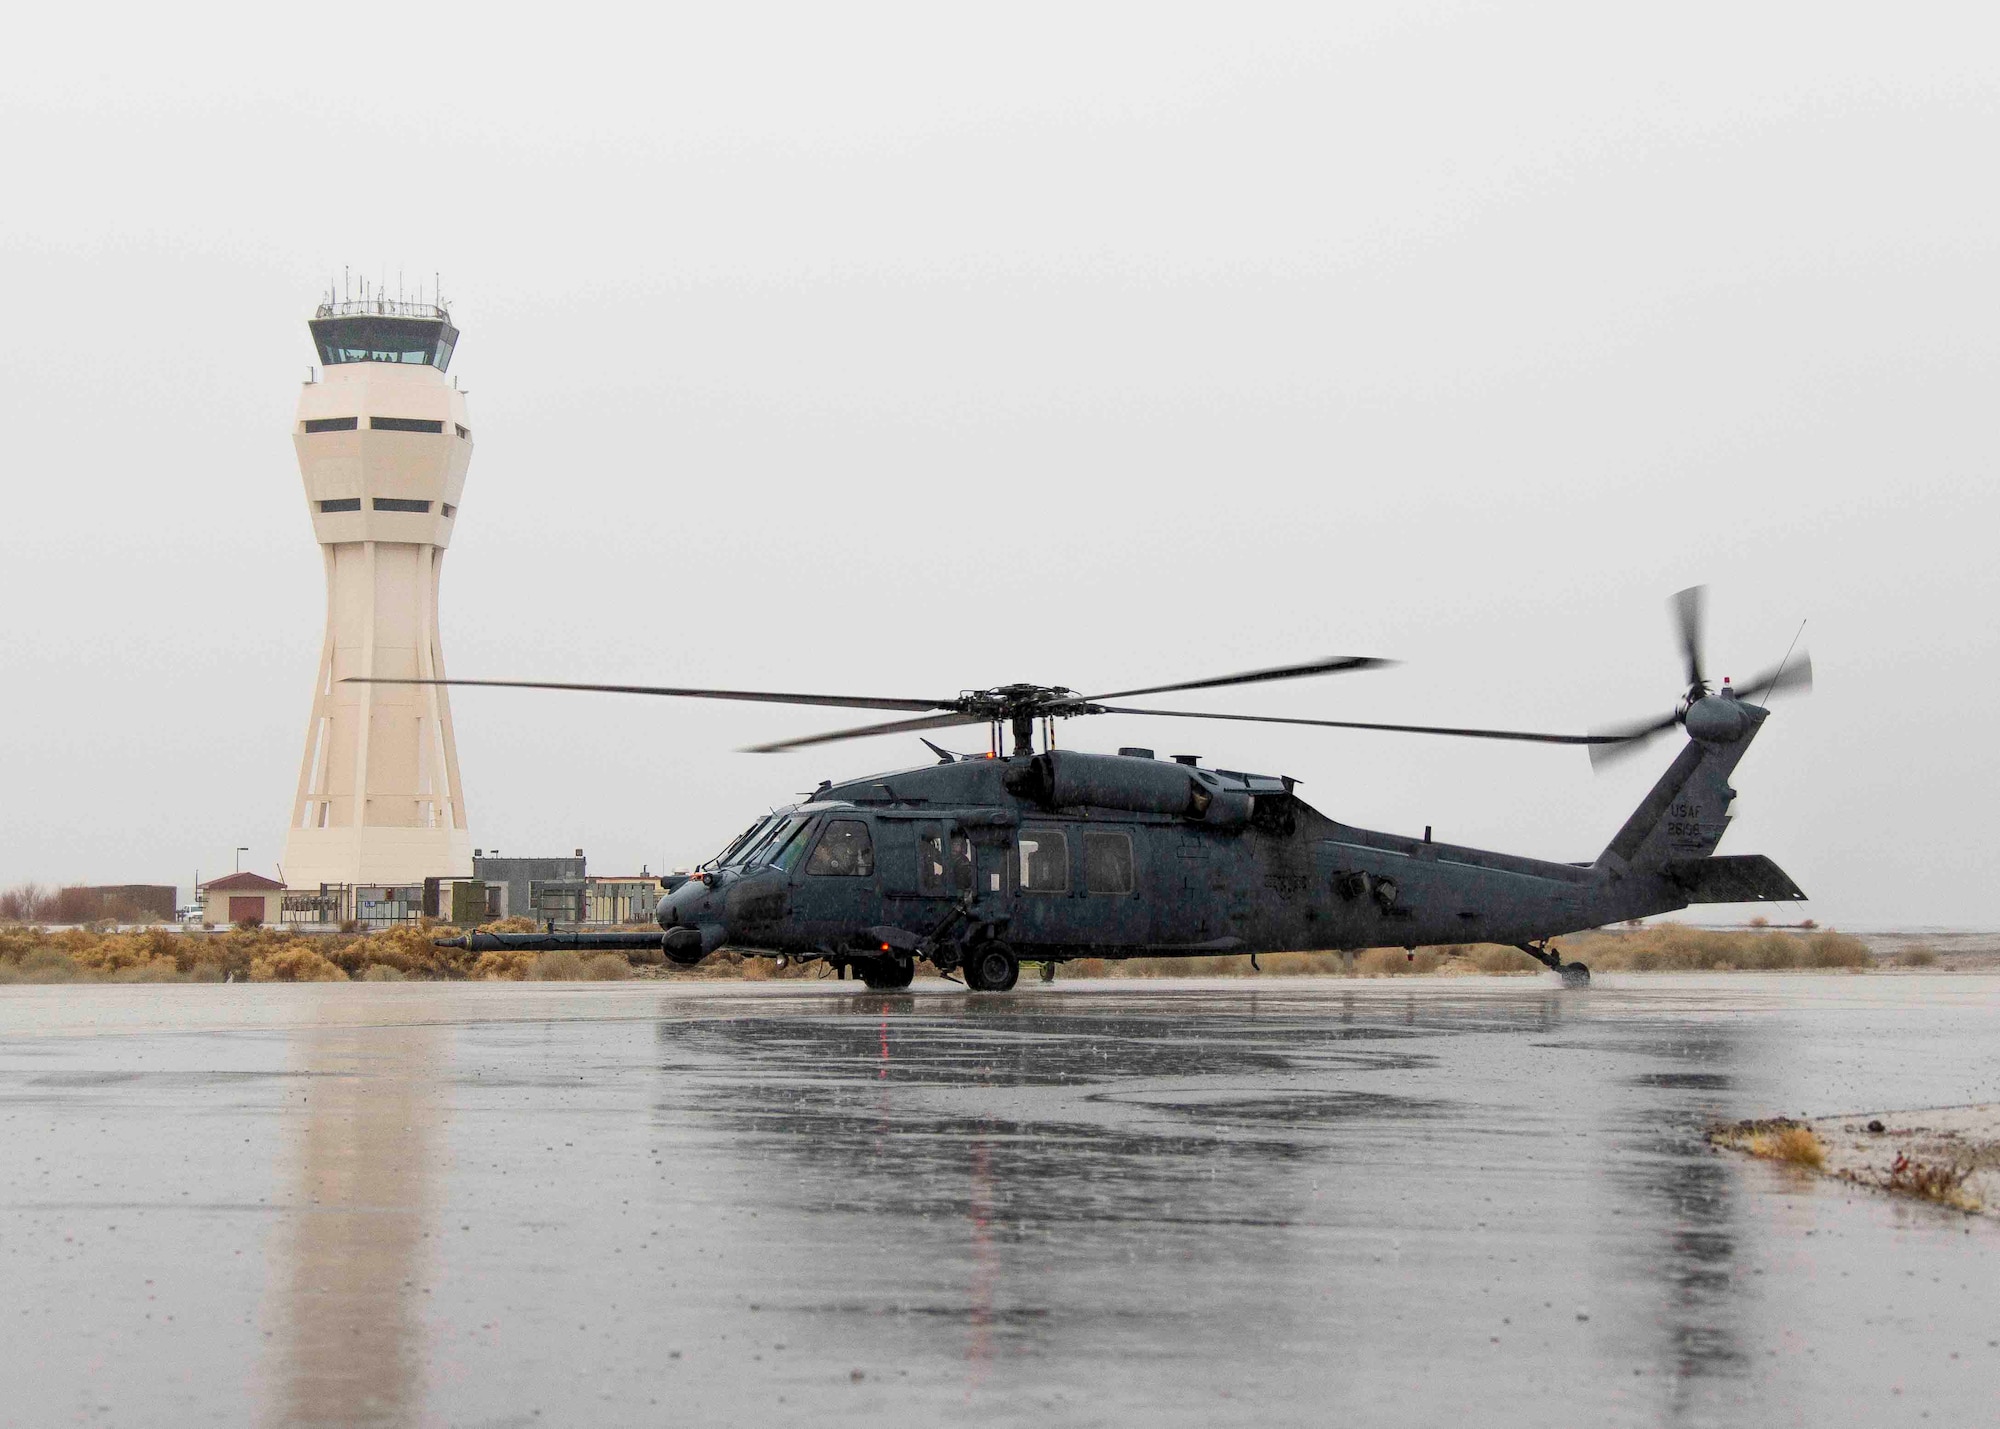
[978, 863]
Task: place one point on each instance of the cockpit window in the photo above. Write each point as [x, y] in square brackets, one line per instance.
[773, 839]
[733, 855]
[843, 851]
[786, 848]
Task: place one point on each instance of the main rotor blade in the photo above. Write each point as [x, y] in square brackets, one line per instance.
[1333, 665]
[1621, 740]
[851, 702]
[1689, 609]
[1795, 674]
[1526, 736]
[895, 726]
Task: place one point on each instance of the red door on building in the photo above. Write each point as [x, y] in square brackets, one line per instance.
[246, 910]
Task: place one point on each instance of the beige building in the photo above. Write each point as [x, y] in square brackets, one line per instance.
[383, 442]
[241, 898]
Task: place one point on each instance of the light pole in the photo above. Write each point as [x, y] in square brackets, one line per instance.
[243, 849]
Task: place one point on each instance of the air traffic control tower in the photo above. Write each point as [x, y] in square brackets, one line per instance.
[384, 443]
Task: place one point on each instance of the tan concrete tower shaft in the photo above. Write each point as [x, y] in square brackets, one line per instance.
[384, 443]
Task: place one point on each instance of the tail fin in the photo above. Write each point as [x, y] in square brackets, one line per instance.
[1684, 815]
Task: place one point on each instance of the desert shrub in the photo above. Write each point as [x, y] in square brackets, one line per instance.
[1777, 1139]
[162, 970]
[1397, 962]
[1933, 1181]
[607, 967]
[505, 964]
[1917, 957]
[1372, 962]
[1491, 958]
[557, 965]
[125, 956]
[406, 948]
[384, 972]
[1675, 947]
[1795, 1144]
[511, 925]
[47, 964]
[294, 963]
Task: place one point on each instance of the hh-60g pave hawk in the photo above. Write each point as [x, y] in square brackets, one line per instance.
[978, 863]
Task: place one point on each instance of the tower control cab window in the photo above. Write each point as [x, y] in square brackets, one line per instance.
[1044, 861]
[1107, 863]
[844, 851]
[383, 337]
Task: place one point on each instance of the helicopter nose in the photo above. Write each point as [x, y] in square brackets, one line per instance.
[685, 906]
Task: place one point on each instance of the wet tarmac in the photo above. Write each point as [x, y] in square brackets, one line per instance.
[1484, 1201]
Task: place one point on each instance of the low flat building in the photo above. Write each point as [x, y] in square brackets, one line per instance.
[242, 898]
[124, 902]
[530, 883]
[628, 898]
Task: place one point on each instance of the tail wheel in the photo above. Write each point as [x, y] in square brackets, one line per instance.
[886, 974]
[992, 967]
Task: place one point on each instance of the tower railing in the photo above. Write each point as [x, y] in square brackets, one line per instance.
[382, 308]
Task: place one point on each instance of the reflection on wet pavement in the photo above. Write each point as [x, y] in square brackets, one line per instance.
[1274, 1202]
[347, 1262]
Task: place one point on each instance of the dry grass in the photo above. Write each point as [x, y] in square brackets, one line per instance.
[248, 955]
[1920, 956]
[1932, 1181]
[1674, 947]
[1780, 1139]
[1797, 1145]
[271, 955]
[1463, 958]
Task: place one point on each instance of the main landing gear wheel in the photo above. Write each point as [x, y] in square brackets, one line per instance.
[991, 967]
[886, 974]
[1572, 974]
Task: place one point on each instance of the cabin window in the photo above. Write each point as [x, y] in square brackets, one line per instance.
[1107, 863]
[943, 866]
[930, 858]
[843, 851]
[1044, 861]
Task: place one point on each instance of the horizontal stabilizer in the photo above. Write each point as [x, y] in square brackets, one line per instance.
[1733, 878]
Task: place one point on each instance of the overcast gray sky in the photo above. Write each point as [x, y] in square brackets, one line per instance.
[908, 349]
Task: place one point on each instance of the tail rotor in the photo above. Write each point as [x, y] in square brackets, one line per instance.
[1689, 611]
